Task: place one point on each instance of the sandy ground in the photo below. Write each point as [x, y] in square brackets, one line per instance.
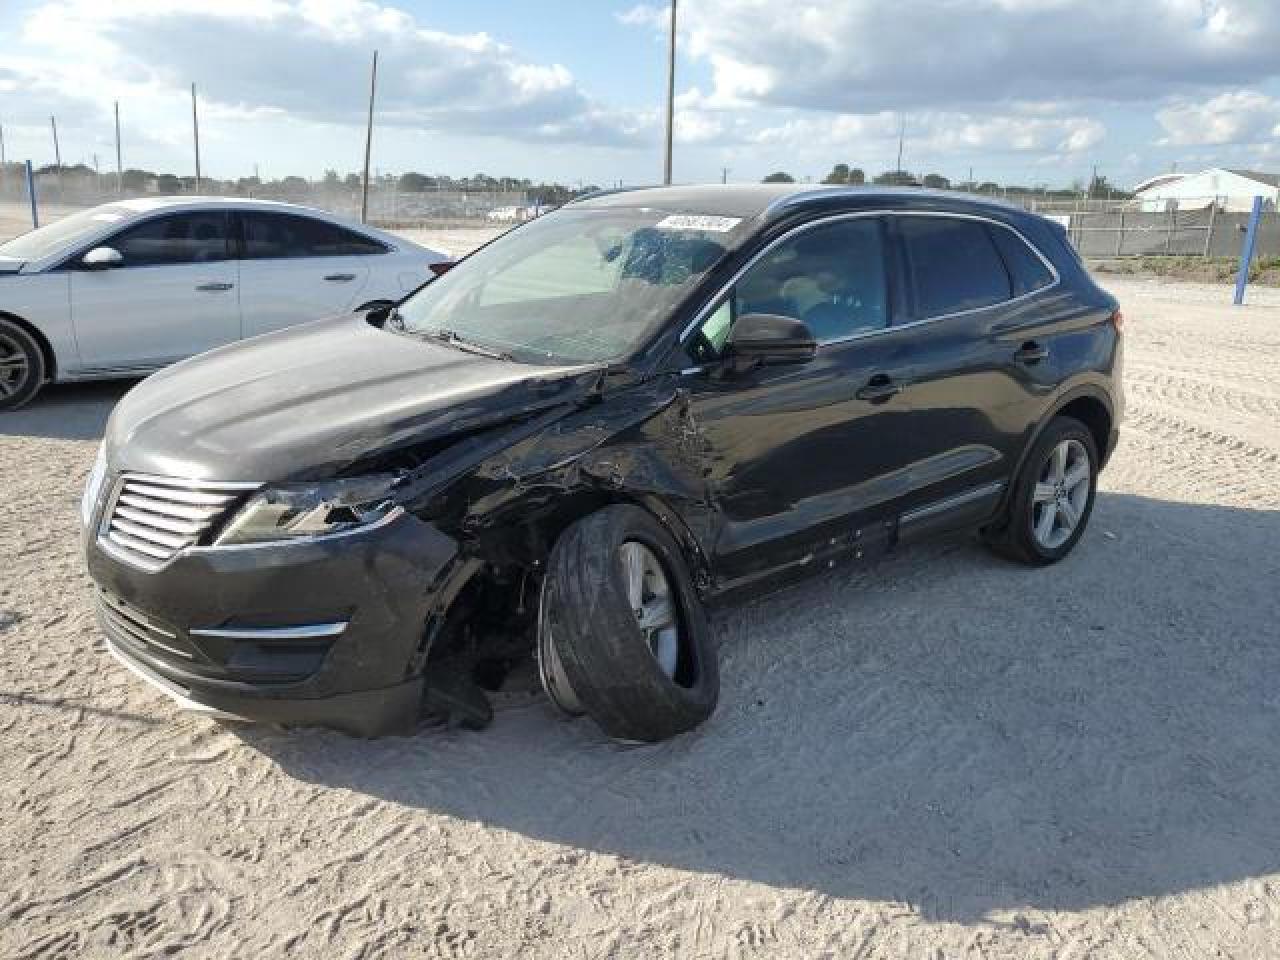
[940, 756]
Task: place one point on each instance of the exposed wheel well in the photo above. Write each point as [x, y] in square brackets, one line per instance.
[1093, 413]
[50, 360]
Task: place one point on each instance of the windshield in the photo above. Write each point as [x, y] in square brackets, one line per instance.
[64, 233]
[576, 286]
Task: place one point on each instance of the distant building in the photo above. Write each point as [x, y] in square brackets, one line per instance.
[1232, 190]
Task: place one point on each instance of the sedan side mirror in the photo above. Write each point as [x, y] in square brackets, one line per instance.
[767, 339]
[101, 258]
[442, 266]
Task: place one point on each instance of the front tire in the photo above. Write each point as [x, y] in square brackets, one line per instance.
[1052, 499]
[622, 635]
[22, 367]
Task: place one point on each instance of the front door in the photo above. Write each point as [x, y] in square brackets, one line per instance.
[174, 295]
[804, 459]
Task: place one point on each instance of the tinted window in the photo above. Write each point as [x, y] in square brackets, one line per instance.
[832, 277]
[1026, 269]
[181, 238]
[953, 264]
[269, 236]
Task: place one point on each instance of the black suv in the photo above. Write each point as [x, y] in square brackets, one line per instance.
[586, 432]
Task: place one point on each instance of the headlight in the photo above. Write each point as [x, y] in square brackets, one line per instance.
[311, 510]
[93, 487]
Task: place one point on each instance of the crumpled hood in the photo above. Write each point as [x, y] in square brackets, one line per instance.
[10, 264]
[306, 401]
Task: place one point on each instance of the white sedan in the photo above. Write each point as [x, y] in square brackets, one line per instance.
[126, 288]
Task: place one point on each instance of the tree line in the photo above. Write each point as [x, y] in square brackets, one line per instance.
[137, 180]
[842, 173]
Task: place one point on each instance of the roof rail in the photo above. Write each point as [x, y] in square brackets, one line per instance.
[608, 191]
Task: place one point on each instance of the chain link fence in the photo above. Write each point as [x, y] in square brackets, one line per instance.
[58, 194]
[1098, 227]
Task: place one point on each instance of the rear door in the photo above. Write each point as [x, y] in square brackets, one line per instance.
[174, 295]
[295, 268]
[968, 384]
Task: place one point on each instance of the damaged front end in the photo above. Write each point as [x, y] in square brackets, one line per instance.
[505, 493]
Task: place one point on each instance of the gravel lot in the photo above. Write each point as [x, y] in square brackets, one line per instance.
[940, 756]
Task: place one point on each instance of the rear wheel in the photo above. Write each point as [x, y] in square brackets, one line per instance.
[1052, 498]
[622, 636]
[22, 368]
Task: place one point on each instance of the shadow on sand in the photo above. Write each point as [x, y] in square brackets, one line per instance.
[944, 729]
[66, 411]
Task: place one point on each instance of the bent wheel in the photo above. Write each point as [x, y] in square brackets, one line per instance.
[621, 633]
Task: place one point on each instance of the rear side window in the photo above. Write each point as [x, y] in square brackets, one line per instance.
[1026, 269]
[953, 265]
[176, 239]
[275, 236]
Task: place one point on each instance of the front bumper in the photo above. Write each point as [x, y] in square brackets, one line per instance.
[327, 631]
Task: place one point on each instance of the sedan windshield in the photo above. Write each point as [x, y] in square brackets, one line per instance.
[65, 233]
[576, 286]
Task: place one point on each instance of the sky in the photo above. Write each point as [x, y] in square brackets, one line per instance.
[1022, 91]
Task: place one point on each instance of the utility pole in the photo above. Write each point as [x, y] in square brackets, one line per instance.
[671, 97]
[368, 141]
[57, 152]
[119, 165]
[902, 134]
[57, 158]
[195, 134]
[724, 174]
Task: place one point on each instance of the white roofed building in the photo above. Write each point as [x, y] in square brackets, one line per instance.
[1233, 190]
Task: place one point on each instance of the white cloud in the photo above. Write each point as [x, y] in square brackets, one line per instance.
[864, 55]
[307, 60]
[646, 15]
[1239, 116]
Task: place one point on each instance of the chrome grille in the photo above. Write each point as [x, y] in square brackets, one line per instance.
[152, 518]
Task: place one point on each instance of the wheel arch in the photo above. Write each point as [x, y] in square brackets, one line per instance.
[1087, 403]
[538, 525]
[46, 348]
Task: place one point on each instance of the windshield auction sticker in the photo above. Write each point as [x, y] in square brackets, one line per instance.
[690, 222]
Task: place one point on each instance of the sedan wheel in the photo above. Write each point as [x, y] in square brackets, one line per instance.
[21, 366]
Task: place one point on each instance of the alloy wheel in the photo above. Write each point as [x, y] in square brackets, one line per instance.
[14, 367]
[649, 594]
[1061, 494]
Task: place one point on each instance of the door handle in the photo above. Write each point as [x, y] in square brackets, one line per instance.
[879, 388]
[340, 277]
[1031, 352]
[215, 287]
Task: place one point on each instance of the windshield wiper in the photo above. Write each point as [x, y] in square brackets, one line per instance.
[454, 339]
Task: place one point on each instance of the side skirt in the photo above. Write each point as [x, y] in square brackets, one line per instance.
[969, 508]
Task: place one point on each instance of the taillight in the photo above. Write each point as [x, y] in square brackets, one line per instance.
[1118, 319]
[442, 266]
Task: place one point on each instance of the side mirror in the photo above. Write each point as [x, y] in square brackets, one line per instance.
[101, 258]
[767, 339]
[442, 266]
